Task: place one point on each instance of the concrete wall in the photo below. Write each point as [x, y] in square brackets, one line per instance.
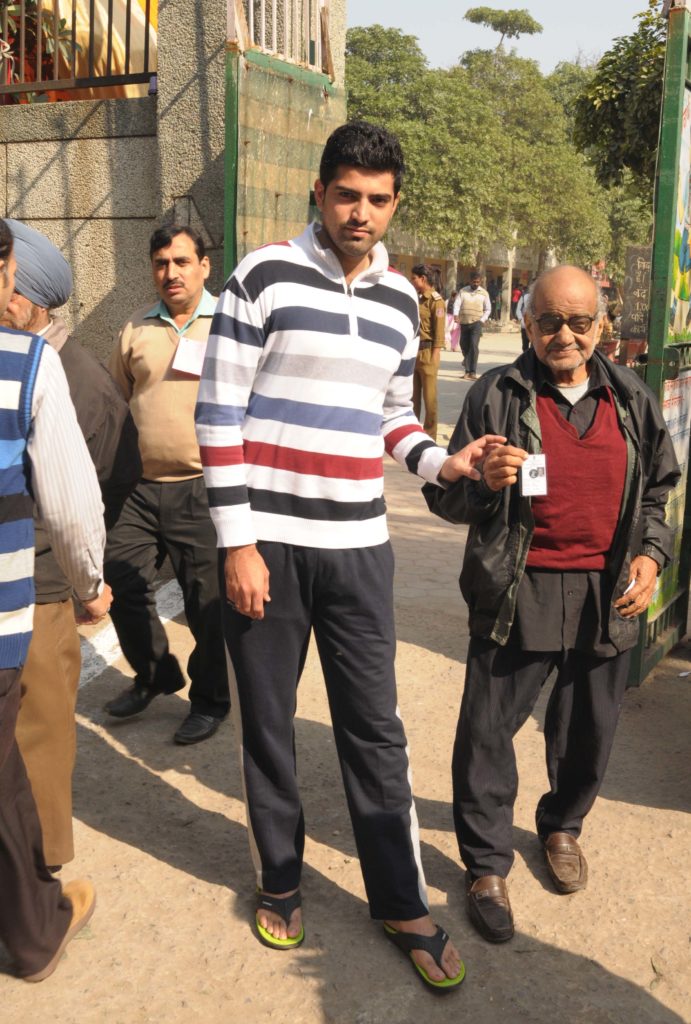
[191, 119]
[283, 124]
[86, 174]
[97, 177]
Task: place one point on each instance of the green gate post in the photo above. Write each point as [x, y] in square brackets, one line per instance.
[651, 647]
[236, 33]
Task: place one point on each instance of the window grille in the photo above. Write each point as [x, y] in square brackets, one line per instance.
[293, 30]
[49, 48]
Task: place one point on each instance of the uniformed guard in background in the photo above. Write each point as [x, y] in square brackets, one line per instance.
[432, 328]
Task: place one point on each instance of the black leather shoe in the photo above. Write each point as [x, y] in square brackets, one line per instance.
[131, 702]
[196, 728]
[487, 900]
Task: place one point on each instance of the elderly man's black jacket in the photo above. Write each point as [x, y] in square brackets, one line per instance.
[501, 523]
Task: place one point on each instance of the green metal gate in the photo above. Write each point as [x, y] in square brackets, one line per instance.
[668, 367]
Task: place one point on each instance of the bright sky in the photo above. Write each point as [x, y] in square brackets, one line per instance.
[568, 26]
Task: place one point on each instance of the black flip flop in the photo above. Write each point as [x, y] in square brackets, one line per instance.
[432, 944]
[284, 907]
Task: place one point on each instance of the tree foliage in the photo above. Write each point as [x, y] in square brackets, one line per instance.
[567, 83]
[487, 146]
[618, 114]
[510, 24]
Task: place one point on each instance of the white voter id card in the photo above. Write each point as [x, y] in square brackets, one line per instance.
[534, 476]
[189, 356]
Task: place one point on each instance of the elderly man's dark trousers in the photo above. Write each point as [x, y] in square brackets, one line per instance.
[346, 597]
[34, 917]
[501, 687]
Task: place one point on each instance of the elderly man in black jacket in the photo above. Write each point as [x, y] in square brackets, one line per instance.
[567, 535]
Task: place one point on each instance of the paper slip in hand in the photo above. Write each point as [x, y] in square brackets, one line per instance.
[189, 357]
[534, 476]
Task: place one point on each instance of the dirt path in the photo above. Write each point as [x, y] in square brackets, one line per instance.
[160, 830]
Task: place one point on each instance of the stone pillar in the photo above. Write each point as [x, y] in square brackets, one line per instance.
[451, 276]
[506, 288]
[191, 119]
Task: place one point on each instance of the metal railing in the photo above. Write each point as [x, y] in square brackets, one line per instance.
[292, 30]
[56, 45]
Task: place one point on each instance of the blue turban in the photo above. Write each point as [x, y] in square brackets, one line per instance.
[43, 274]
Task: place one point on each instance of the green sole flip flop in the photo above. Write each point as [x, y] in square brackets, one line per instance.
[284, 907]
[432, 944]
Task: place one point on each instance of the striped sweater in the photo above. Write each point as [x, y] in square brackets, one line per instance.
[19, 360]
[306, 382]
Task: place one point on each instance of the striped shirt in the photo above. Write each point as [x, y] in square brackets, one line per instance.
[307, 381]
[64, 486]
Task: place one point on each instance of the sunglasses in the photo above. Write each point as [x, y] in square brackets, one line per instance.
[552, 323]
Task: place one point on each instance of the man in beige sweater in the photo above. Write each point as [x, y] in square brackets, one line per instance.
[157, 363]
[471, 310]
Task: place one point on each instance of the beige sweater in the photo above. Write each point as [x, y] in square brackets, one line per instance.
[162, 399]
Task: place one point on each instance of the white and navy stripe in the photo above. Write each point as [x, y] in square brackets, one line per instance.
[19, 360]
[306, 383]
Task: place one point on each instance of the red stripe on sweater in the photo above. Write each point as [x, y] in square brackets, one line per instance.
[340, 467]
[219, 456]
[396, 436]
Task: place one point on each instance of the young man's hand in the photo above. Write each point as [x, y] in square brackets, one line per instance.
[247, 581]
[464, 462]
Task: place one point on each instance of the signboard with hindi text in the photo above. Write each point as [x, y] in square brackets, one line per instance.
[634, 316]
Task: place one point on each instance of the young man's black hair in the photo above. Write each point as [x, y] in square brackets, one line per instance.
[163, 236]
[361, 144]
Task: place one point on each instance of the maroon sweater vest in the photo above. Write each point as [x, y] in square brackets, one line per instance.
[576, 520]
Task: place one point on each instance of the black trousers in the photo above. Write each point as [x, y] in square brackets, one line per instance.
[470, 345]
[160, 519]
[501, 687]
[34, 916]
[346, 596]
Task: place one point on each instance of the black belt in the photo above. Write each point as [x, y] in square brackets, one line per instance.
[425, 344]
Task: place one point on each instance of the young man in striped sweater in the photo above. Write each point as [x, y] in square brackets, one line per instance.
[307, 381]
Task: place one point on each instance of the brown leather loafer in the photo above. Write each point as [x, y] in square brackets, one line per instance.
[566, 864]
[487, 900]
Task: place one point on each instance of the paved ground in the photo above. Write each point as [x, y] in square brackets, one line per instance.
[160, 830]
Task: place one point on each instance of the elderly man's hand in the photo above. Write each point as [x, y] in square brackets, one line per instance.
[463, 463]
[643, 572]
[502, 465]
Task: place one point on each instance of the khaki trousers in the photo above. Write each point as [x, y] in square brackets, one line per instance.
[46, 731]
[425, 389]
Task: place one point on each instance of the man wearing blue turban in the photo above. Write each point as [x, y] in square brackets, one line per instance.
[46, 731]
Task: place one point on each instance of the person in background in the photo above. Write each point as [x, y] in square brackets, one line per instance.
[432, 337]
[157, 362]
[520, 316]
[453, 330]
[471, 311]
